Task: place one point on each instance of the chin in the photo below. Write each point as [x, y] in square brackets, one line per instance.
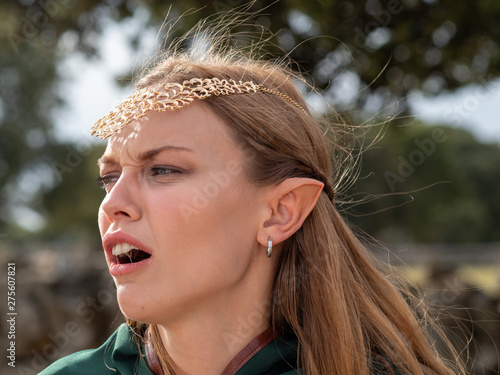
[136, 306]
[137, 314]
[133, 306]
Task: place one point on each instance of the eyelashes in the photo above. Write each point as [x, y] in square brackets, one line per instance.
[99, 181]
[107, 180]
[163, 171]
[104, 181]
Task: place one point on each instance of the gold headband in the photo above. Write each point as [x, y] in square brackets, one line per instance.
[174, 96]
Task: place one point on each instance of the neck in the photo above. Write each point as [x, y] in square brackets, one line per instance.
[207, 339]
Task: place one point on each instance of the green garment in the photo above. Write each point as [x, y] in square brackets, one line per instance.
[119, 355]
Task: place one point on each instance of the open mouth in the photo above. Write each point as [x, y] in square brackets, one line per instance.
[126, 253]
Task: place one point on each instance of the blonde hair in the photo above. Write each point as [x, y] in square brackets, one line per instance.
[327, 290]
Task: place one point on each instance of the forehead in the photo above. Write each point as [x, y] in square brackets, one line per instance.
[194, 127]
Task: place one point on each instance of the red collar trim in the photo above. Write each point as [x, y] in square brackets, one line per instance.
[249, 351]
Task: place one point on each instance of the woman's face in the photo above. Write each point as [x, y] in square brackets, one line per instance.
[181, 211]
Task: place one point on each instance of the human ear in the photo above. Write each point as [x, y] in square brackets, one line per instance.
[290, 202]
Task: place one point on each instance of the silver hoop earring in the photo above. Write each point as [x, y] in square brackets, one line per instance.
[269, 247]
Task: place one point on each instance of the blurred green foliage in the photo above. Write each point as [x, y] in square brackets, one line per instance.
[424, 183]
[382, 49]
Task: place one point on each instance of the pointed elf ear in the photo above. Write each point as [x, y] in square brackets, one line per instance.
[291, 201]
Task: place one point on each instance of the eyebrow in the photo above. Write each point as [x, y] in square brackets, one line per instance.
[145, 155]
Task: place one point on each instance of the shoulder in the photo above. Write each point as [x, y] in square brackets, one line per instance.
[118, 355]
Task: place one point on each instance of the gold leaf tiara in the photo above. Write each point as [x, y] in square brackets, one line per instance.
[174, 96]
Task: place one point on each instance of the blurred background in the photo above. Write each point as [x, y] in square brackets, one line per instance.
[429, 189]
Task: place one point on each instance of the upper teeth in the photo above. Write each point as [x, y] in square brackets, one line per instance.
[122, 248]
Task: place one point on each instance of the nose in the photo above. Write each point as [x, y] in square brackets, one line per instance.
[122, 201]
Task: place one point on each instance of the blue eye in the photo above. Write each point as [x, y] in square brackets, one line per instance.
[104, 181]
[162, 171]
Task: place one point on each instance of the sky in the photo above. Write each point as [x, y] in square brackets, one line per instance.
[475, 107]
[91, 91]
[89, 87]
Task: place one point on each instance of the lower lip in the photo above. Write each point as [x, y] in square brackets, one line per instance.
[116, 269]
